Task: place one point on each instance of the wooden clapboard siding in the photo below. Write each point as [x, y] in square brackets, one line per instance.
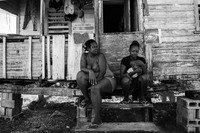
[17, 59]
[29, 28]
[179, 52]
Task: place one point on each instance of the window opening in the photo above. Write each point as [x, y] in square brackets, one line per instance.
[120, 16]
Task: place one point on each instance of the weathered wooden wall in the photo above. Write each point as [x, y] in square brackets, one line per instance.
[178, 56]
[17, 59]
[116, 46]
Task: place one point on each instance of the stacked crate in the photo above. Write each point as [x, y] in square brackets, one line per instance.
[10, 105]
[188, 114]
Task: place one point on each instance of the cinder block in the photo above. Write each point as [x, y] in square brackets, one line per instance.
[186, 122]
[192, 129]
[11, 103]
[12, 112]
[187, 113]
[188, 103]
[10, 96]
[81, 112]
[2, 111]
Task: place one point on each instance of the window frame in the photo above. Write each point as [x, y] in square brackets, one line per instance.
[140, 18]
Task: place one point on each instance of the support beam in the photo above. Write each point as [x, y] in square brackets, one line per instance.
[55, 91]
[30, 58]
[4, 57]
[49, 58]
[43, 57]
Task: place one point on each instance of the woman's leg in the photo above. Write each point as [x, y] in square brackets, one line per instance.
[82, 81]
[126, 83]
[142, 87]
[104, 86]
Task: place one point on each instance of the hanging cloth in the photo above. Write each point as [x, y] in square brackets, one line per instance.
[68, 7]
[146, 8]
[31, 13]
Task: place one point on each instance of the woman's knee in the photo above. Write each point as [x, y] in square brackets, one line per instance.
[80, 76]
[95, 90]
[125, 81]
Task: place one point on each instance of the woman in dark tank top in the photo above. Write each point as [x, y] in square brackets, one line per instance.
[94, 77]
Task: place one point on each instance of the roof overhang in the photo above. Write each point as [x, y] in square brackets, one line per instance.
[11, 6]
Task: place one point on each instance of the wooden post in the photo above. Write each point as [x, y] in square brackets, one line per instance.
[140, 15]
[30, 58]
[196, 11]
[48, 57]
[42, 16]
[96, 17]
[4, 57]
[43, 57]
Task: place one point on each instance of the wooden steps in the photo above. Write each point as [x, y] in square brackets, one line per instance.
[138, 119]
[120, 127]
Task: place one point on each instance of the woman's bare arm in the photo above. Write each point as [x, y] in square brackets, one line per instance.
[102, 67]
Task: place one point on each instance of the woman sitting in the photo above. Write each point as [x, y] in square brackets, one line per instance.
[95, 78]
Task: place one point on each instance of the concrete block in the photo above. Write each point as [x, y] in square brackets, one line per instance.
[10, 96]
[188, 103]
[192, 129]
[11, 103]
[81, 112]
[186, 122]
[12, 112]
[2, 111]
[187, 113]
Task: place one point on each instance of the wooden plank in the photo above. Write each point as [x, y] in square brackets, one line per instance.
[196, 13]
[43, 57]
[42, 16]
[157, 25]
[182, 2]
[171, 57]
[55, 91]
[174, 14]
[170, 20]
[58, 57]
[177, 32]
[48, 58]
[30, 58]
[188, 39]
[134, 127]
[170, 8]
[97, 18]
[175, 45]
[163, 69]
[4, 57]
[58, 27]
[58, 31]
[140, 16]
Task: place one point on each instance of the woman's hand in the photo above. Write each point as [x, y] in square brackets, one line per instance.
[92, 78]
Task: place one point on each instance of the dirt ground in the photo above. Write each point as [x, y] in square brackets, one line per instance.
[58, 115]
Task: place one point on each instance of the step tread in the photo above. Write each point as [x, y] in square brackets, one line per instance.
[119, 127]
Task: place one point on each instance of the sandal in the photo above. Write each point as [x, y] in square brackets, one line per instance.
[126, 101]
[94, 126]
[84, 103]
[145, 103]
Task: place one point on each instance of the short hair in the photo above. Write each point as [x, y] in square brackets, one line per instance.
[88, 44]
[134, 43]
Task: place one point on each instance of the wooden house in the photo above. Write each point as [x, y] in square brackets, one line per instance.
[50, 43]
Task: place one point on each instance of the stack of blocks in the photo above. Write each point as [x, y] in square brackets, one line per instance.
[188, 114]
[10, 105]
